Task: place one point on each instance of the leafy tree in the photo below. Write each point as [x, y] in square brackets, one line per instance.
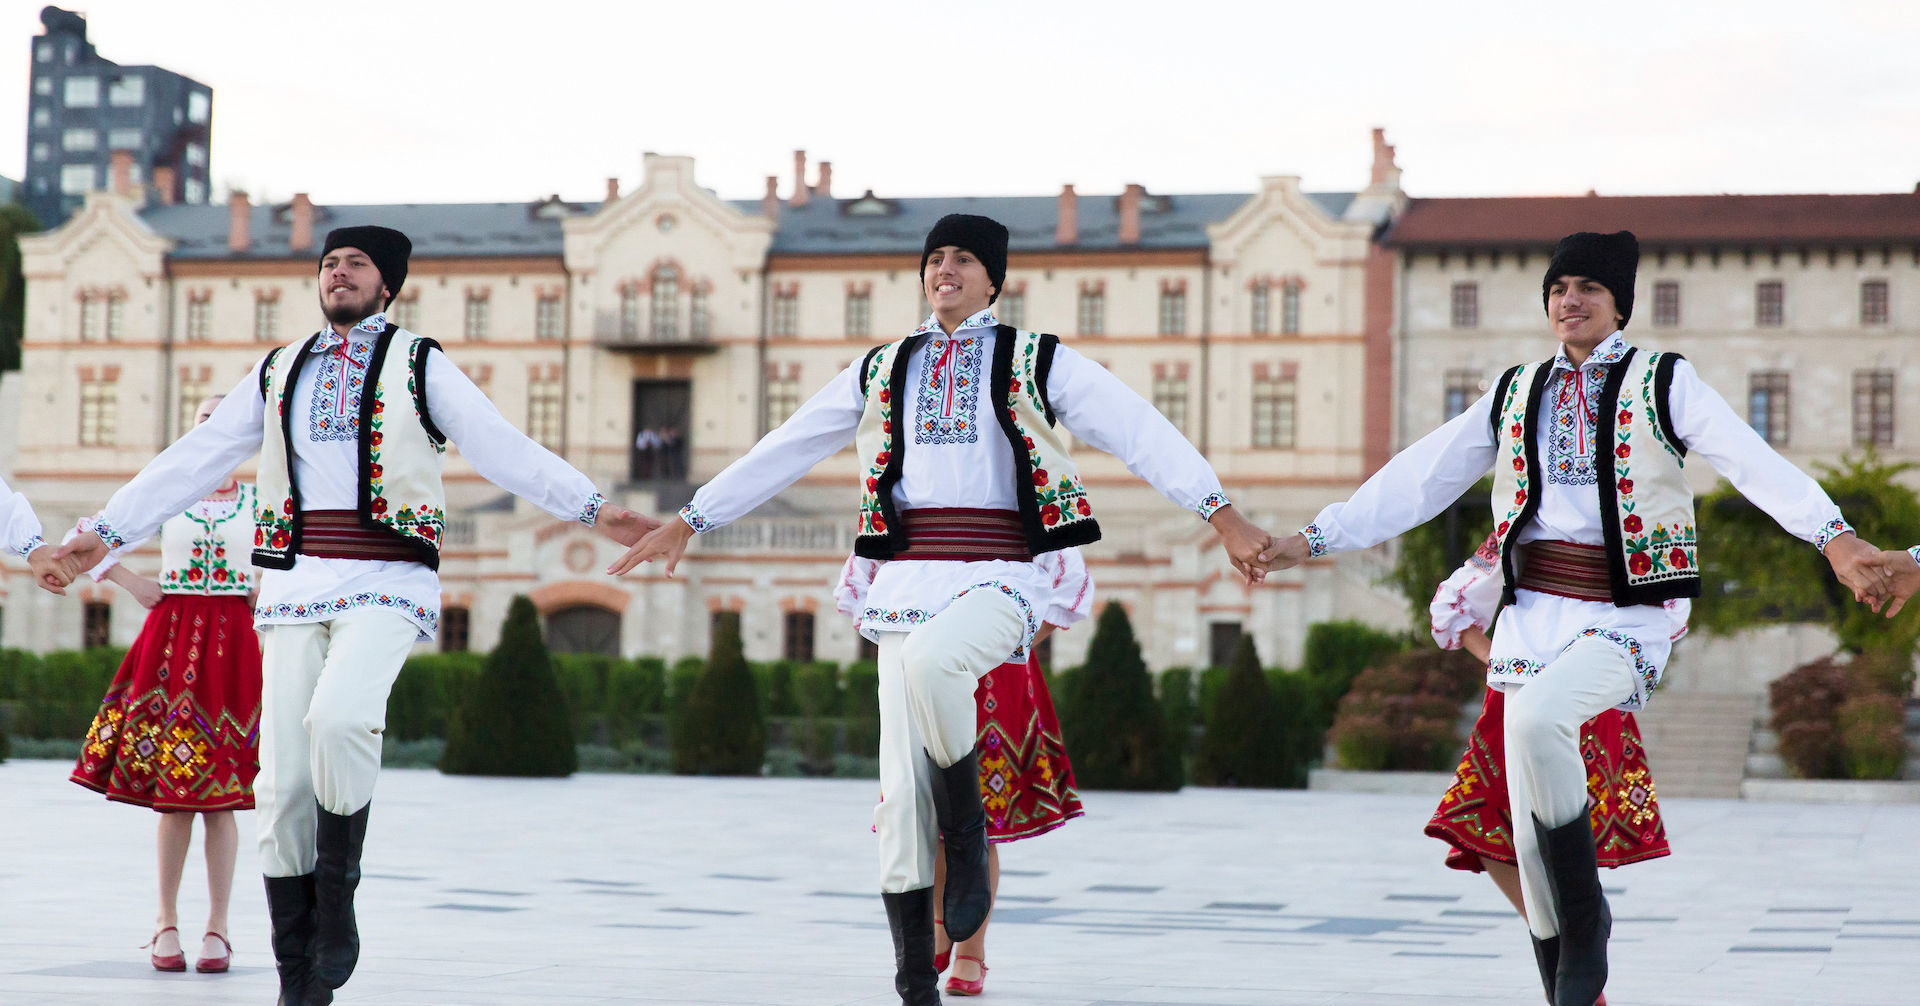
[514, 720]
[1117, 738]
[723, 729]
[15, 221]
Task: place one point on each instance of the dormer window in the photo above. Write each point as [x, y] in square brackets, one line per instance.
[870, 205]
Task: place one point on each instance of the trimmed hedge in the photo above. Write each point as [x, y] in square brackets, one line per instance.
[1116, 736]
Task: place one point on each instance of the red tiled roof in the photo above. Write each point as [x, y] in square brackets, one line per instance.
[1657, 220]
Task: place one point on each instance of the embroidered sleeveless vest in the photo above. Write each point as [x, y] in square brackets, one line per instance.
[401, 452]
[1054, 511]
[1646, 506]
[201, 553]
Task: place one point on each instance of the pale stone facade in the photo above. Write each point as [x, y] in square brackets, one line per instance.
[588, 323]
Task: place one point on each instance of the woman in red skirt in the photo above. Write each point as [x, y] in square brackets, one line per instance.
[1473, 816]
[178, 730]
[1026, 784]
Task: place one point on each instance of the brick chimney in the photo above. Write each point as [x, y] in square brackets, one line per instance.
[120, 172]
[1067, 231]
[799, 179]
[824, 187]
[613, 189]
[1130, 214]
[770, 203]
[239, 223]
[163, 182]
[300, 236]
[1383, 165]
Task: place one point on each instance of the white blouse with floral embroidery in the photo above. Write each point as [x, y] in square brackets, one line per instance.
[208, 550]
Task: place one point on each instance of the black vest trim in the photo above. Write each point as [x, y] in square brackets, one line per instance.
[1626, 595]
[1499, 398]
[1663, 387]
[427, 554]
[1042, 366]
[866, 362]
[420, 389]
[263, 559]
[1532, 505]
[266, 370]
[896, 539]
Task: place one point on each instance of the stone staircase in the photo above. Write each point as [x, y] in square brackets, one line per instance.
[1698, 742]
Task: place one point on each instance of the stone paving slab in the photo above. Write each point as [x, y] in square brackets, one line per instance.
[607, 889]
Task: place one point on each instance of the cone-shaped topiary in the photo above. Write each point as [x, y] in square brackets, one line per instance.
[513, 720]
[1116, 734]
[1242, 745]
[723, 729]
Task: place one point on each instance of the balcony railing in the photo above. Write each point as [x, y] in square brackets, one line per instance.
[611, 332]
[782, 534]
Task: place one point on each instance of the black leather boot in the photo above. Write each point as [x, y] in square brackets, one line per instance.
[290, 908]
[1573, 875]
[1546, 953]
[336, 872]
[910, 916]
[963, 826]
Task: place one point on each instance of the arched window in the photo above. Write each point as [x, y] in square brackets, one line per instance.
[584, 628]
[666, 303]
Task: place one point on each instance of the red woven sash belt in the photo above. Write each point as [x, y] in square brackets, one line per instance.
[1567, 570]
[964, 534]
[338, 534]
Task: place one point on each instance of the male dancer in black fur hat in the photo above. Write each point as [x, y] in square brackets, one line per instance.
[965, 477]
[1595, 526]
[351, 426]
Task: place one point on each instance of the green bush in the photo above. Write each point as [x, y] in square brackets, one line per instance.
[1116, 738]
[723, 726]
[817, 696]
[514, 719]
[1242, 745]
[1873, 741]
[1806, 707]
[776, 686]
[1299, 722]
[583, 680]
[636, 689]
[1178, 710]
[429, 687]
[65, 690]
[1403, 714]
[860, 708]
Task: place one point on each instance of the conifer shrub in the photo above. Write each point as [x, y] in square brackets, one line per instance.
[1242, 745]
[1116, 737]
[722, 729]
[513, 720]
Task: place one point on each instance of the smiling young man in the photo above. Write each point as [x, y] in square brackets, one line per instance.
[965, 478]
[351, 425]
[1595, 529]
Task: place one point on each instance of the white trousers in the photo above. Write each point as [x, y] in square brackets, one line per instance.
[1546, 777]
[927, 680]
[323, 708]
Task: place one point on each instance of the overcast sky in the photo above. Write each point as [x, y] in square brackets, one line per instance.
[430, 101]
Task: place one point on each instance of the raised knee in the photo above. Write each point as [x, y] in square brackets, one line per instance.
[329, 727]
[1528, 722]
[921, 657]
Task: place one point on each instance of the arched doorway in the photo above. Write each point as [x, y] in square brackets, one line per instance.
[584, 628]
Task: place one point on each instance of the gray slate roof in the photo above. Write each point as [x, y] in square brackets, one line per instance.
[822, 227]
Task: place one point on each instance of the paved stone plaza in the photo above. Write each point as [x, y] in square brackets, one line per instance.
[650, 889]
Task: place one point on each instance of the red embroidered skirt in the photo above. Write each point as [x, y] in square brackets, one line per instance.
[179, 729]
[1476, 820]
[1026, 784]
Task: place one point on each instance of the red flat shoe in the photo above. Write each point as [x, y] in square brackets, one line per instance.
[957, 986]
[944, 957]
[215, 965]
[171, 962]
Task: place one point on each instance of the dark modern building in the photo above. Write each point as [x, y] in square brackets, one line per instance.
[82, 107]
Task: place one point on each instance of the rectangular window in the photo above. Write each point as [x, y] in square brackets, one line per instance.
[1012, 309]
[1093, 312]
[1464, 387]
[1873, 408]
[1273, 401]
[1666, 303]
[664, 321]
[124, 139]
[199, 107]
[1222, 639]
[79, 140]
[1466, 305]
[629, 313]
[127, 92]
[99, 414]
[699, 319]
[96, 626]
[1262, 309]
[116, 316]
[192, 393]
[786, 312]
[798, 636]
[546, 318]
[783, 399]
[1170, 397]
[194, 190]
[1770, 304]
[93, 310]
[1290, 309]
[266, 320]
[43, 85]
[455, 629]
[405, 313]
[478, 309]
[1173, 312]
[197, 320]
[42, 151]
[546, 411]
[1768, 405]
[196, 155]
[859, 312]
[83, 92]
[1873, 302]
